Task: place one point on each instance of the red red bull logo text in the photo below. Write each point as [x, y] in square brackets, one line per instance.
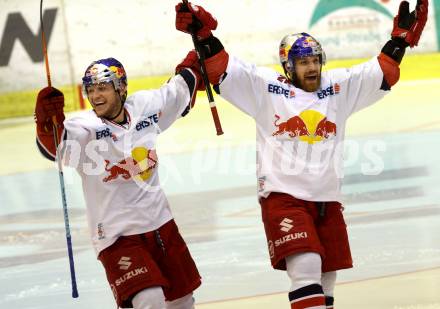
[310, 126]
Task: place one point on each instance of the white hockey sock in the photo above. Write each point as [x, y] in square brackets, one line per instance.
[328, 281]
[304, 270]
[151, 298]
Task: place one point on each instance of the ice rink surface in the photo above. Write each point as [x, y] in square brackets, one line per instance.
[393, 217]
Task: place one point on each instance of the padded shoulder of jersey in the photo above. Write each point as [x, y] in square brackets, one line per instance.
[342, 74]
[83, 119]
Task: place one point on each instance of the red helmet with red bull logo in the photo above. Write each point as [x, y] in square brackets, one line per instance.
[298, 45]
[108, 70]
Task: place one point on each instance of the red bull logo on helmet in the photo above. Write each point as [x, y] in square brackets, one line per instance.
[284, 51]
[139, 166]
[119, 71]
[309, 41]
[309, 126]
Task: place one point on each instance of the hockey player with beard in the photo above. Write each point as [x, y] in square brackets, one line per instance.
[300, 121]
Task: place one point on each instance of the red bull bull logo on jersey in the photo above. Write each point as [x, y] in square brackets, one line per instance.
[309, 126]
[294, 127]
[139, 166]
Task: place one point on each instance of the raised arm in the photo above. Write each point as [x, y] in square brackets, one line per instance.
[407, 29]
[234, 79]
[177, 97]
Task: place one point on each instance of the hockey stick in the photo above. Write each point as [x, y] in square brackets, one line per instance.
[201, 57]
[60, 168]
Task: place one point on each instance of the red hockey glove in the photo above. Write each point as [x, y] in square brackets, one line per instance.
[50, 103]
[194, 19]
[191, 61]
[408, 27]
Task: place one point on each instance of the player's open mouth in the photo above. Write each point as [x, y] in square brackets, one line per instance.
[311, 78]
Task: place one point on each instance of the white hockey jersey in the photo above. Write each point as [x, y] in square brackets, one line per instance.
[118, 164]
[300, 134]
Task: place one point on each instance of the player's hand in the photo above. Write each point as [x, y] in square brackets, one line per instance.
[49, 107]
[191, 61]
[408, 27]
[194, 19]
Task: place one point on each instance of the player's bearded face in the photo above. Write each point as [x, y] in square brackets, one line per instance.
[308, 73]
[104, 99]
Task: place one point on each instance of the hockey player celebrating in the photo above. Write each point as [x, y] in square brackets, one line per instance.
[147, 263]
[300, 120]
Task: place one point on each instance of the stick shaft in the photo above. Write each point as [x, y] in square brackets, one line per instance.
[201, 56]
[208, 89]
[43, 44]
[60, 170]
[66, 214]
